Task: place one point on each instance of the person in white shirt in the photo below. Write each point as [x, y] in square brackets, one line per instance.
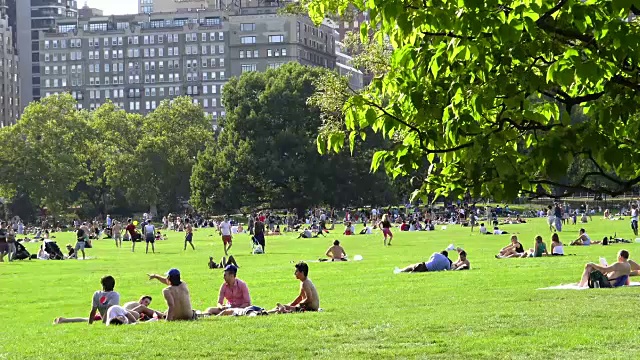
[150, 236]
[117, 315]
[225, 231]
[483, 229]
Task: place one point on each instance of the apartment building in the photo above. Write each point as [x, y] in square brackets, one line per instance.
[137, 61]
[34, 16]
[9, 84]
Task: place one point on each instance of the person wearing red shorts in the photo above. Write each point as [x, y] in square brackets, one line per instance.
[225, 231]
[385, 225]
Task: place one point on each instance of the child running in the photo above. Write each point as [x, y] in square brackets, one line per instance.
[385, 225]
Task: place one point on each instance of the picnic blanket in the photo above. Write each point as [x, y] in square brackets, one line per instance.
[575, 286]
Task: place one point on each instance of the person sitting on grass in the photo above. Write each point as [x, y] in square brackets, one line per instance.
[608, 276]
[235, 291]
[515, 249]
[307, 300]
[142, 307]
[176, 295]
[101, 302]
[349, 229]
[462, 263]
[71, 252]
[483, 229]
[584, 240]
[557, 249]
[437, 262]
[539, 249]
[223, 262]
[335, 253]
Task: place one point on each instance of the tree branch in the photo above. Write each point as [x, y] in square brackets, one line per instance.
[552, 11]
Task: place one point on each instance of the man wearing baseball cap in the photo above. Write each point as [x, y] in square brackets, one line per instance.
[234, 290]
[177, 296]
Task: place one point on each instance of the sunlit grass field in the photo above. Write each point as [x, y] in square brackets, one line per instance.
[492, 311]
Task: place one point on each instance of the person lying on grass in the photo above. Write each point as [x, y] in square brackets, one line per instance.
[101, 301]
[335, 253]
[117, 315]
[234, 290]
[307, 300]
[584, 239]
[223, 262]
[515, 249]
[142, 307]
[609, 276]
[176, 295]
[437, 262]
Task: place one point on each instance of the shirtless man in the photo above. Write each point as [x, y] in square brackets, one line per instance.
[142, 307]
[462, 263]
[616, 274]
[116, 233]
[307, 300]
[176, 295]
[336, 253]
[188, 237]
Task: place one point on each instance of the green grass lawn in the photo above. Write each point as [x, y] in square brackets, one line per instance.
[493, 311]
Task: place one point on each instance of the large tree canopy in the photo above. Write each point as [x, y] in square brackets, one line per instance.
[485, 92]
[266, 154]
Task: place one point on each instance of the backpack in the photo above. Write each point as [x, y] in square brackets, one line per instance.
[605, 241]
[597, 277]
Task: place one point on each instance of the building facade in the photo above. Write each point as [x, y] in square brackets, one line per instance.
[33, 17]
[137, 61]
[9, 84]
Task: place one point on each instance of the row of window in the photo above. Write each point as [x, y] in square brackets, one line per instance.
[273, 39]
[135, 40]
[135, 79]
[270, 52]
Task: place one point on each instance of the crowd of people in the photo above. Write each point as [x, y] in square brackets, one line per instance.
[234, 299]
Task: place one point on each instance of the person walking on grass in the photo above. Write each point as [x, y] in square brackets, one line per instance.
[634, 219]
[188, 237]
[11, 243]
[385, 225]
[134, 236]
[116, 232]
[4, 246]
[225, 231]
[150, 236]
[80, 241]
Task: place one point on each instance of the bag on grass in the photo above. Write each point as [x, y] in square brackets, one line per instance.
[597, 277]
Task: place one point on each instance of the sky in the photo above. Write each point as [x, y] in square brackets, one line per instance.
[113, 6]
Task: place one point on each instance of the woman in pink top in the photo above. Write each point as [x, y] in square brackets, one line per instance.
[234, 290]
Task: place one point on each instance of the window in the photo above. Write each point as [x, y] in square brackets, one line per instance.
[221, 36]
[46, 44]
[214, 102]
[170, 52]
[222, 74]
[147, 92]
[64, 70]
[214, 89]
[205, 89]
[152, 39]
[114, 41]
[249, 53]
[47, 70]
[241, 54]
[161, 92]
[204, 50]
[146, 40]
[247, 27]
[205, 103]
[269, 53]
[46, 57]
[161, 52]
[284, 52]
[175, 37]
[249, 39]
[222, 62]
[255, 53]
[106, 67]
[220, 49]
[204, 36]
[276, 52]
[276, 38]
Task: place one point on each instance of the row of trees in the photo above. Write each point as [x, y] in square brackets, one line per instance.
[57, 156]
[263, 155]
